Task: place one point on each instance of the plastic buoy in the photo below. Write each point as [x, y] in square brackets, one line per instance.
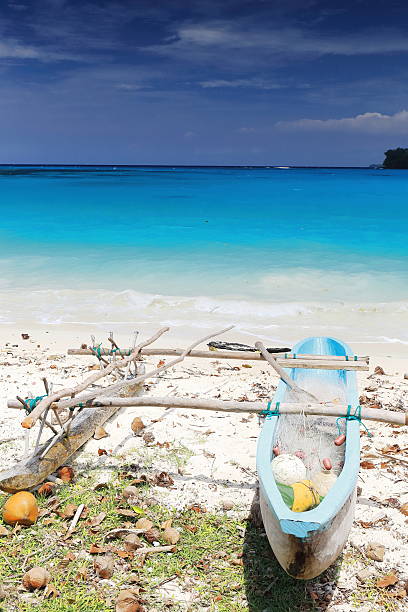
[327, 464]
[340, 440]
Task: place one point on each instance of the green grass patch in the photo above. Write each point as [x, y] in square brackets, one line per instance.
[221, 563]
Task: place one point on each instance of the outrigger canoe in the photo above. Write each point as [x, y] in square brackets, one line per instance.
[307, 543]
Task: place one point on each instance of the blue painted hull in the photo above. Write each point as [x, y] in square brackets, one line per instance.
[306, 543]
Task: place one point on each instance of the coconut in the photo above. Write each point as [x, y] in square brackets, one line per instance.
[288, 469]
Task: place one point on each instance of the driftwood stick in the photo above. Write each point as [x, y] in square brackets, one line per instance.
[127, 371]
[75, 520]
[154, 549]
[301, 394]
[288, 361]
[46, 386]
[315, 409]
[32, 418]
[113, 343]
[120, 532]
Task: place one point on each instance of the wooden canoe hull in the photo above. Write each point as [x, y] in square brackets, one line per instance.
[307, 543]
[306, 558]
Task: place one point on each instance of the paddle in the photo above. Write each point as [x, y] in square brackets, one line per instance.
[298, 394]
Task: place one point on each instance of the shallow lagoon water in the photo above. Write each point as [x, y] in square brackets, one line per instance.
[279, 252]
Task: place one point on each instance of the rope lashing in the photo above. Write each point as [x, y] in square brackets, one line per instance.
[355, 416]
[32, 402]
[270, 413]
[99, 352]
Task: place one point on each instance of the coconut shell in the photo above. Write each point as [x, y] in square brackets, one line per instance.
[21, 508]
[36, 578]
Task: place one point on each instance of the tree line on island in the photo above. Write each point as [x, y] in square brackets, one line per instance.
[396, 159]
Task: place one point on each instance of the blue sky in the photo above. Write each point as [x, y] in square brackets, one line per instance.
[203, 82]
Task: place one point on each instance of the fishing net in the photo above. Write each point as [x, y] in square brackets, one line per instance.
[311, 438]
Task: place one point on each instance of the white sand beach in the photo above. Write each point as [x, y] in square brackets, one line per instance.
[211, 455]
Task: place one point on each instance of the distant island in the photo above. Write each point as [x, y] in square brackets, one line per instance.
[396, 159]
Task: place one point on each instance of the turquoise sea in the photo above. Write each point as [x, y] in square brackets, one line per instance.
[280, 252]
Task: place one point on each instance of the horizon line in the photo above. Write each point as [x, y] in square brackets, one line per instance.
[113, 165]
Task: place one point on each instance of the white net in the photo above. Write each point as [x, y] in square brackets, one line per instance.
[312, 437]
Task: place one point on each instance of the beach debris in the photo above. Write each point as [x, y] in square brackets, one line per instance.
[132, 541]
[104, 566]
[25, 336]
[128, 601]
[406, 376]
[379, 371]
[137, 425]
[288, 469]
[47, 489]
[130, 493]
[227, 504]
[365, 574]
[171, 535]
[404, 509]
[100, 433]
[276, 451]
[367, 465]
[144, 523]
[21, 509]
[388, 580]
[162, 479]
[81, 511]
[148, 437]
[66, 473]
[375, 551]
[36, 578]
[153, 535]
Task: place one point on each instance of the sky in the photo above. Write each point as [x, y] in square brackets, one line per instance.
[217, 82]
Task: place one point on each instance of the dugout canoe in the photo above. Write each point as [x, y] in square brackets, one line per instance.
[307, 543]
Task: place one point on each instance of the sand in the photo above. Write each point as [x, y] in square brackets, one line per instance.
[211, 456]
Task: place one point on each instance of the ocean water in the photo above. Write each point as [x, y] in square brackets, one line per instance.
[282, 253]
